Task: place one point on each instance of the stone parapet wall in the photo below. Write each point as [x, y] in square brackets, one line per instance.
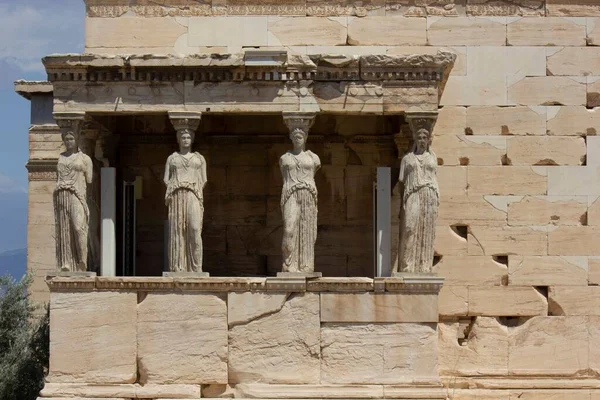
[223, 336]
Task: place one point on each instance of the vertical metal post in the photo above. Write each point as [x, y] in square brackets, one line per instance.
[384, 222]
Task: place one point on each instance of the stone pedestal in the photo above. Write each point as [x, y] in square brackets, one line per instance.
[275, 338]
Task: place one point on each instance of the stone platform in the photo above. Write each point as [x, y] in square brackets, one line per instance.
[123, 338]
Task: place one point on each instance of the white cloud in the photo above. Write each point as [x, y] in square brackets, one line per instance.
[30, 31]
[8, 185]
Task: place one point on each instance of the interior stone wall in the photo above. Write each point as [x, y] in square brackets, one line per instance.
[242, 229]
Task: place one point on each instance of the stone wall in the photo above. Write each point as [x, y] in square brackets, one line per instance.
[241, 337]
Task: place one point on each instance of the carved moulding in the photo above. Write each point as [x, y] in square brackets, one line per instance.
[235, 67]
[42, 170]
[414, 284]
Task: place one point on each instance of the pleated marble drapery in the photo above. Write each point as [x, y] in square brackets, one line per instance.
[420, 209]
[299, 210]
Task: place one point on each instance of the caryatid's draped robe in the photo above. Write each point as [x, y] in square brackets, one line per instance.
[186, 180]
[71, 212]
[299, 209]
[420, 203]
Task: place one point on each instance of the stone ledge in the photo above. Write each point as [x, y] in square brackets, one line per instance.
[29, 88]
[459, 386]
[409, 285]
[236, 67]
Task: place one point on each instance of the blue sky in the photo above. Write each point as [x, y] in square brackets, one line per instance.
[29, 30]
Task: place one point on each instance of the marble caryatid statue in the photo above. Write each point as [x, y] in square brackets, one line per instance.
[71, 212]
[299, 198]
[420, 200]
[185, 178]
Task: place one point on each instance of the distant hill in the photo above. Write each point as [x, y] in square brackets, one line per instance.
[13, 262]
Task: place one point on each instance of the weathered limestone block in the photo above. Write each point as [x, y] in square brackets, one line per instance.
[492, 120]
[451, 121]
[247, 306]
[227, 31]
[80, 391]
[449, 242]
[376, 308]
[45, 143]
[594, 270]
[594, 346]
[282, 347]
[470, 150]
[562, 342]
[307, 31]
[453, 301]
[573, 61]
[469, 210]
[574, 300]
[378, 353]
[396, 31]
[544, 210]
[593, 31]
[555, 394]
[265, 391]
[498, 301]
[466, 31]
[593, 213]
[547, 270]
[483, 352]
[548, 91]
[182, 338]
[501, 240]
[471, 271]
[546, 32]
[574, 241]
[505, 8]
[128, 31]
[565, 8]
[93, 337]
[572, 121]
[474, 91]
[573, 181]
[593, 91]
[546, 150]
[452, 181]
[507, 180]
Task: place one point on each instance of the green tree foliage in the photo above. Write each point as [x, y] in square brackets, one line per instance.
[24, 342]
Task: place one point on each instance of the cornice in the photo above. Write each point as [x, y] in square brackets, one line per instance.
[91, 68]
[409, 285]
